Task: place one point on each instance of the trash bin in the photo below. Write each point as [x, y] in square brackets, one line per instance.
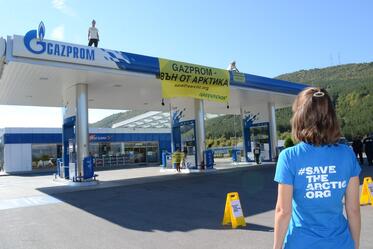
[88, 167]
[166, 159]
[209, 159]
[236, 155]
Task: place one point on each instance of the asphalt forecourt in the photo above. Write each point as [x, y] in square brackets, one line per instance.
[184, 211]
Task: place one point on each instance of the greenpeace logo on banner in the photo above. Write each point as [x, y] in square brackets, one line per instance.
[34, 42]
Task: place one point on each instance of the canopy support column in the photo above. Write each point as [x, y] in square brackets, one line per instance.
[199, 113]
[81, 125]
[273, 129]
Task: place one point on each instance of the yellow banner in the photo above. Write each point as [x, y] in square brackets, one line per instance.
[189, 80]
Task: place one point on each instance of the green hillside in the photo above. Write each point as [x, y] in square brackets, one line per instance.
[351, 87]
[224, 126]
[115, 118]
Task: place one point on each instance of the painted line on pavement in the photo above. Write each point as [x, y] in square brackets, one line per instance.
[28, 202]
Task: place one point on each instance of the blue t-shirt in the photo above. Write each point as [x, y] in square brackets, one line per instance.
[319, 176]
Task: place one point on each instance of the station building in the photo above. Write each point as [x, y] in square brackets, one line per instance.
[36, 149]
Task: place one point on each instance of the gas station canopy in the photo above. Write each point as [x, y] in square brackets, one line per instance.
[39, 72]
[36, 72]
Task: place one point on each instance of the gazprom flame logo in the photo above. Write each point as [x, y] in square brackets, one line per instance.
[34, 43]
[41, 31]
[29, 38]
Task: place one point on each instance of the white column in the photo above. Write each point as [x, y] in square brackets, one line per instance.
[82, 141]
[243, 134]
[199, 113]
[272, 128]
[172, 130]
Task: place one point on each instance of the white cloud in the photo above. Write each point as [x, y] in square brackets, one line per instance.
[58, 33]
[61, 6]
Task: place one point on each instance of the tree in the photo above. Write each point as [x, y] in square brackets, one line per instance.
[288, 142]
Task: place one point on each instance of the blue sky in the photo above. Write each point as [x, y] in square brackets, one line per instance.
[265, 37]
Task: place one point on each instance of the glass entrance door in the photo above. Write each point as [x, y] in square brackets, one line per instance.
[188, 143]
[259, 134]
[140, 154]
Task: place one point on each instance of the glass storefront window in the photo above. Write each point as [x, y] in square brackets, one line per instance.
[94, 149]
[140, 154]
[104, 149]
[129, 155]
[118, 154]
[152, 154]
[116, 149]
[45, 155]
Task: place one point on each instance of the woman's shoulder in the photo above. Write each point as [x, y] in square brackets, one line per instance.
[344, 148]
[341, 148]
[293, 149]
[291, 152]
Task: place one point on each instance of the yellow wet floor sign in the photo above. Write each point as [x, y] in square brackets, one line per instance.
[366, 196]
[233, 211]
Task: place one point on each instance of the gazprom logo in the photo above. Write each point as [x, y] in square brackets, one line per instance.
[34, 42]
[41, 31]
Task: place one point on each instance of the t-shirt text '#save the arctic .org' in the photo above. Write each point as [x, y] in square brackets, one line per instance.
[318, 183]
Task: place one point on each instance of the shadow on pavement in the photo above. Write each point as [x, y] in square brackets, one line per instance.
[187, 202]
[180, 202]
